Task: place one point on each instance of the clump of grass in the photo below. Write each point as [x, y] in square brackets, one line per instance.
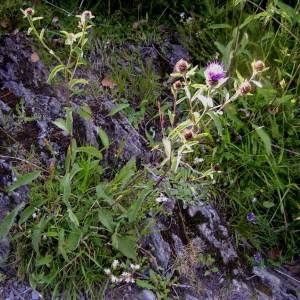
[77, 224]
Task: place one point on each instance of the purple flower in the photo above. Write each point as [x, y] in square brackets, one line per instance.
[257, 257]
[251, 217]
[214, 72]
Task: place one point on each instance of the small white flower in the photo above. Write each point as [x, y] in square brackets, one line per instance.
[254, 199]
[135, 267]
[115, 264]
[71, 38]
[162, 198]
[125, 274]
[129, 280]
[107, 271]
[34, 216]
[189, 20]
[182, 15]
[114, 279]
[198, 160]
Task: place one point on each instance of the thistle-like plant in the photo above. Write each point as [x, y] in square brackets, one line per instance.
[75, 42]
[205, 103]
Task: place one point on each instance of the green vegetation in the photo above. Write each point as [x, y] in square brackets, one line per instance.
[231, 140]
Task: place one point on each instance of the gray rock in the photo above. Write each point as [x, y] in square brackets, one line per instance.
[281, 284]
[35, 295]
[212, 230]
[146, 295]
[161, 249]
[190, 297]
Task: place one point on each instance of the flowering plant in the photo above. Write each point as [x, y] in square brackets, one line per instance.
[204, 103]
[76, 43]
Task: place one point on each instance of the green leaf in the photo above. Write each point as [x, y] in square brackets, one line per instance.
[145, 284]
[26, 214]
[126, 173]
[61, 243]
[69, 120]
[61, 123]
[90, 150]
[106, 218]
[66, 187]
[76, 81]
[264, 137]
[215, 117]
[37, 234]
[220, 26]
[126, 244]
[42, 33]
[118, 108]
[168, 147]
[8, 221]
[73, 217]
[104, 138]
[85, 112]
[73, 240]
[54, 72]
[23, 180]
[43, 260]
[268, 204]
[37, 18]
[134, 209]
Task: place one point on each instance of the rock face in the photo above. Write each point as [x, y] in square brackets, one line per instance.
[21, 78]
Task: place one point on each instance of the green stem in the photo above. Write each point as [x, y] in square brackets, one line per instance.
[42, 41]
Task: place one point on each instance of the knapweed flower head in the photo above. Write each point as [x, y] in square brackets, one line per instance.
[188, 134]
[245, 87]
[258, 66]
[85, 17]
[214, 72]
[177, 85]
[29, 11]
[251, 217]
[181, 66]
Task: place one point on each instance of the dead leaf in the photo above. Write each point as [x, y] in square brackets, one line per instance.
[34, 57]
[107, 82]
[5, 23]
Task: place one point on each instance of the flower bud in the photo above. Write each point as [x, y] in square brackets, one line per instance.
[188, 134]
[258, 66]
[28, 11]
[181, 66]
[177, 85]
[245, 87]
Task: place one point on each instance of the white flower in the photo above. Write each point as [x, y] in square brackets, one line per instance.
[161, 198]
[115, 264]
[254, 199]
[198, 160]
[71, 38]
[129, 280]
[182, 15]
[34, 215]
[135, 267]
[114, 279]
[189, 20]
[107, 271]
